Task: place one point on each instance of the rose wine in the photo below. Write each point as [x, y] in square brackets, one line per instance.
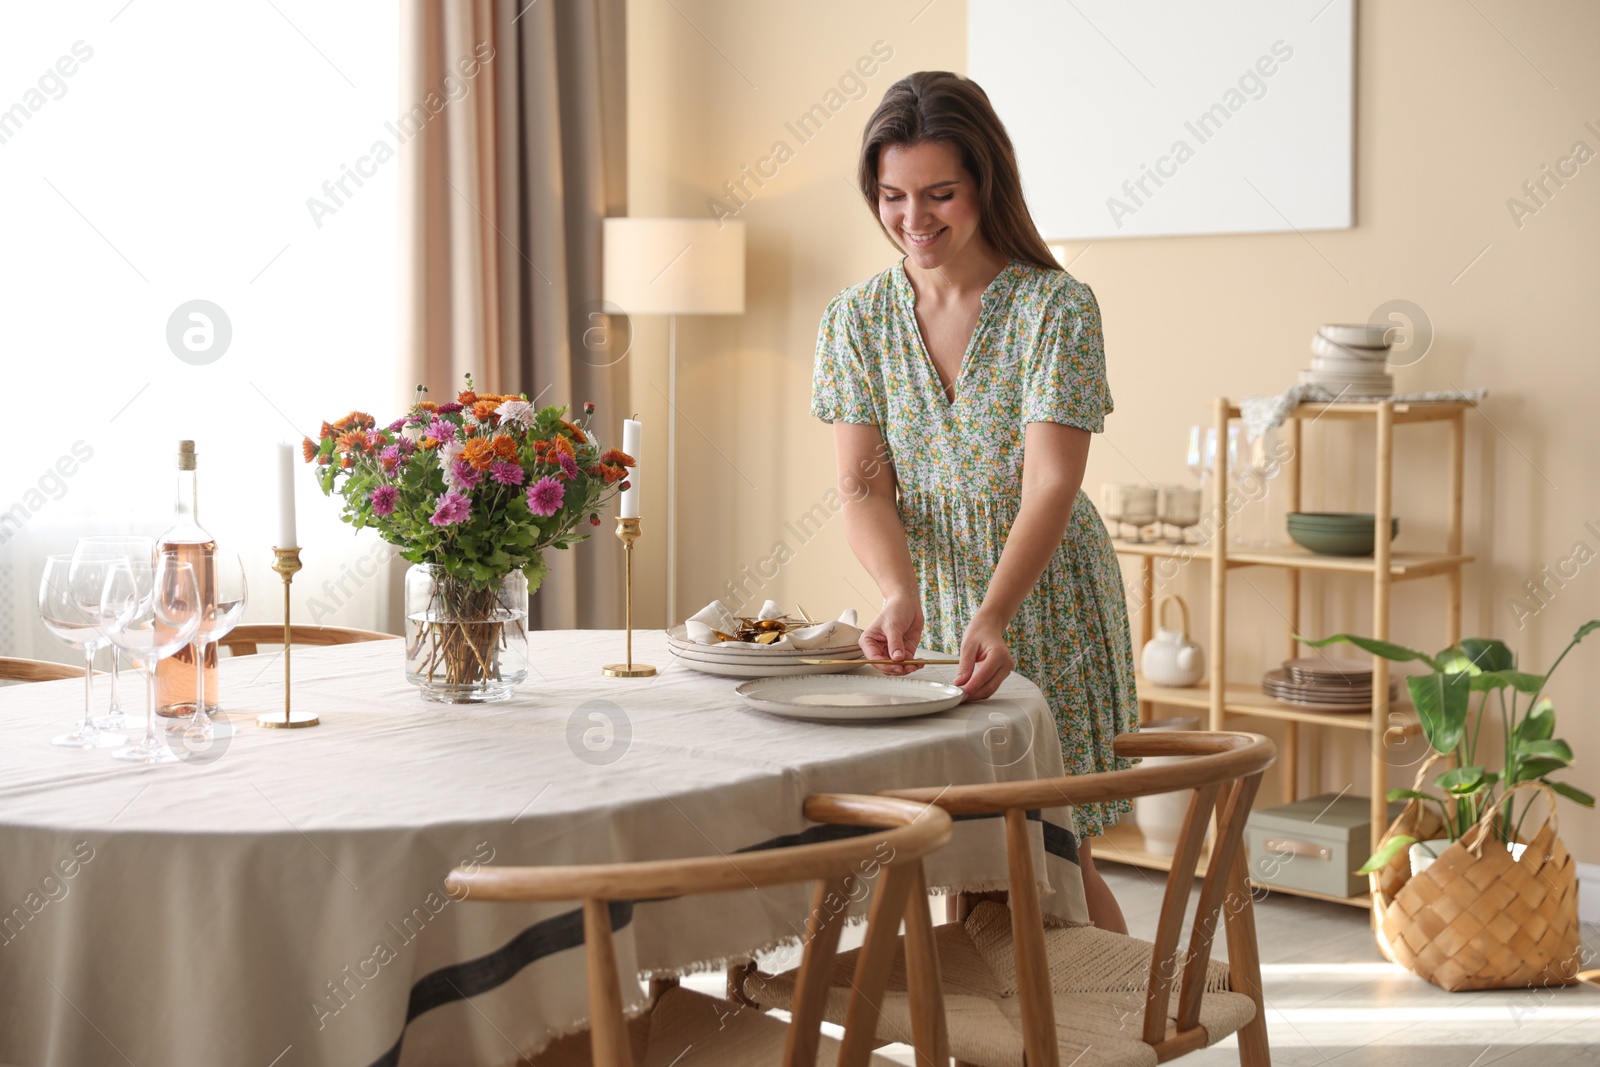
[176, 676]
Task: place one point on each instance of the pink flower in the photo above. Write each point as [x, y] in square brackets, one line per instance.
[506, 473]
[441, 430]
[452, 508]
[545, 495]
[569, 466]
[397, 425]
[466, 475]
[383, 499]
[450, 408]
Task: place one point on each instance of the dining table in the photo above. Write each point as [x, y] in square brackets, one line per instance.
[278, 898]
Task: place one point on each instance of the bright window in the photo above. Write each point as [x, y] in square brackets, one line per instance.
[157, 153]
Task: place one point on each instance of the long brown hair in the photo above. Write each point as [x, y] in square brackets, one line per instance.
[936, 105]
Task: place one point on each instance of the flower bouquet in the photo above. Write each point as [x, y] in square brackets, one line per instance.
[472, 492]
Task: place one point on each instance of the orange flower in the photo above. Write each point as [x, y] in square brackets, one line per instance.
[428, 443]
[388, 463]
[356, 420]
[352, 441]
[617, 456]
[324, 460]
[466, 398]
[326, 431]
[613, 473]
[479, 452]
[428, 405]
[483, 409]
[347, 461]
[308, 448]
[562, 445]
[577, 434]
[505, 447]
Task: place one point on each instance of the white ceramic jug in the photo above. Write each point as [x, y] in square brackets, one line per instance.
[1160, 817]
[1170, 658]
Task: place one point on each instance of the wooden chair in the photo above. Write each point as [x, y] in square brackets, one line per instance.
[1016, 991]
[243, 640]
[690, 1029]
[36, 670]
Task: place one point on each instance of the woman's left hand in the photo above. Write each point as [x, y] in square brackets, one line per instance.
[985, 659]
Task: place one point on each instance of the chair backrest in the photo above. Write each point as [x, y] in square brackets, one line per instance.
[36, 670]
[913, 831]
[1224, 770]
[243, 640]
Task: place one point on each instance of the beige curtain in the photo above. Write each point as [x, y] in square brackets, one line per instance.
[516, 113]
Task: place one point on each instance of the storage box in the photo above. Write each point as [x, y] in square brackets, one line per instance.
[1314, 844]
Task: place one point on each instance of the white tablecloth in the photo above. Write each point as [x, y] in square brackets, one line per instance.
[278, 902]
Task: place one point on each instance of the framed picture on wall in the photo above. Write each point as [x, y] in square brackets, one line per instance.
[1164, 117]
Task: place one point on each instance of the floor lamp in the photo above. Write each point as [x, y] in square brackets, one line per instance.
[674, 267]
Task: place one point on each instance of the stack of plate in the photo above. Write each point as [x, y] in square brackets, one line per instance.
[1351, 360]
[1324, 684]
[757, 661]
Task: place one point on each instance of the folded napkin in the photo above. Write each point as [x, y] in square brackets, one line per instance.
[835, 633]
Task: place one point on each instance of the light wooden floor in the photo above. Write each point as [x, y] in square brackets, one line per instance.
[1332, 1000]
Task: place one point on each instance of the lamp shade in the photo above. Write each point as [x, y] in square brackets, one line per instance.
[675, 266]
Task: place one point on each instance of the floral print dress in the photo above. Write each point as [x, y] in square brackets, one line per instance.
[1036, 355]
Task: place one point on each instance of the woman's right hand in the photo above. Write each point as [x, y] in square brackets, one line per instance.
[894, 634]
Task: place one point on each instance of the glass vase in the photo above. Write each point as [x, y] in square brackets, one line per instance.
[466, 642]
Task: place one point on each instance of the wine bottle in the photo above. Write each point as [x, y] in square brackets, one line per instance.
[176, 675]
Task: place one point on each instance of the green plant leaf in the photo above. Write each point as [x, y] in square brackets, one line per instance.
[1585, 630]
[1461, 781]
[1453, 661]
[1539, 724]
[1571, 792]
[1538, 767]
[1441, 703]
[1386, 649]
[1391, 848]
[1411, 794]
[1521, 681]
[1488, 653]
[1553, 749]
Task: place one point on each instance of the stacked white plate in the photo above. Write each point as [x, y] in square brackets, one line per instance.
[757, 661]
[1350, 360]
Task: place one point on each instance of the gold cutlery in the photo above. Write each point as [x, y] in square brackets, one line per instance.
[885, 662]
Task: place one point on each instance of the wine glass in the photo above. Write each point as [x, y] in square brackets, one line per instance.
[130, 548]
[1264, 465]
[220, 613]
[159, 608]
[63, 592]
[1236, 473]
[1193, 458]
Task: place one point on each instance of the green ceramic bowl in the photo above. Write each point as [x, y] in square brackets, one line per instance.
[1337, 533]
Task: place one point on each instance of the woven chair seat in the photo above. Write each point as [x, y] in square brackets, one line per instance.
[689, 1029]
[1097, 978]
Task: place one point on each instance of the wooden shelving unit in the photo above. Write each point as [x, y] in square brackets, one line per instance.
[1222, 699]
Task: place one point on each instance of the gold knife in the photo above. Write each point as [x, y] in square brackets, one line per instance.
[885, 662]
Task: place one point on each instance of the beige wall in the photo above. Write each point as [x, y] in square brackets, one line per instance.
[1453, 115]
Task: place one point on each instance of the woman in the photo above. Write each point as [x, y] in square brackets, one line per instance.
[963, 385]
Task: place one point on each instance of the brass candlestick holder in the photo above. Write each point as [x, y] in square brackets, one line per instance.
[287, 564]
[628, 533]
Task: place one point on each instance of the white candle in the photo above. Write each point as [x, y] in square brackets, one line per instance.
[630, 445]
[286, 534]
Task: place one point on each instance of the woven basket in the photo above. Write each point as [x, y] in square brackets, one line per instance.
[1476, 918]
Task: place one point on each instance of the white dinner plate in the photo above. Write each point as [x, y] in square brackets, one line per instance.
[860, 696]
[772, 669]
[678, 638]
